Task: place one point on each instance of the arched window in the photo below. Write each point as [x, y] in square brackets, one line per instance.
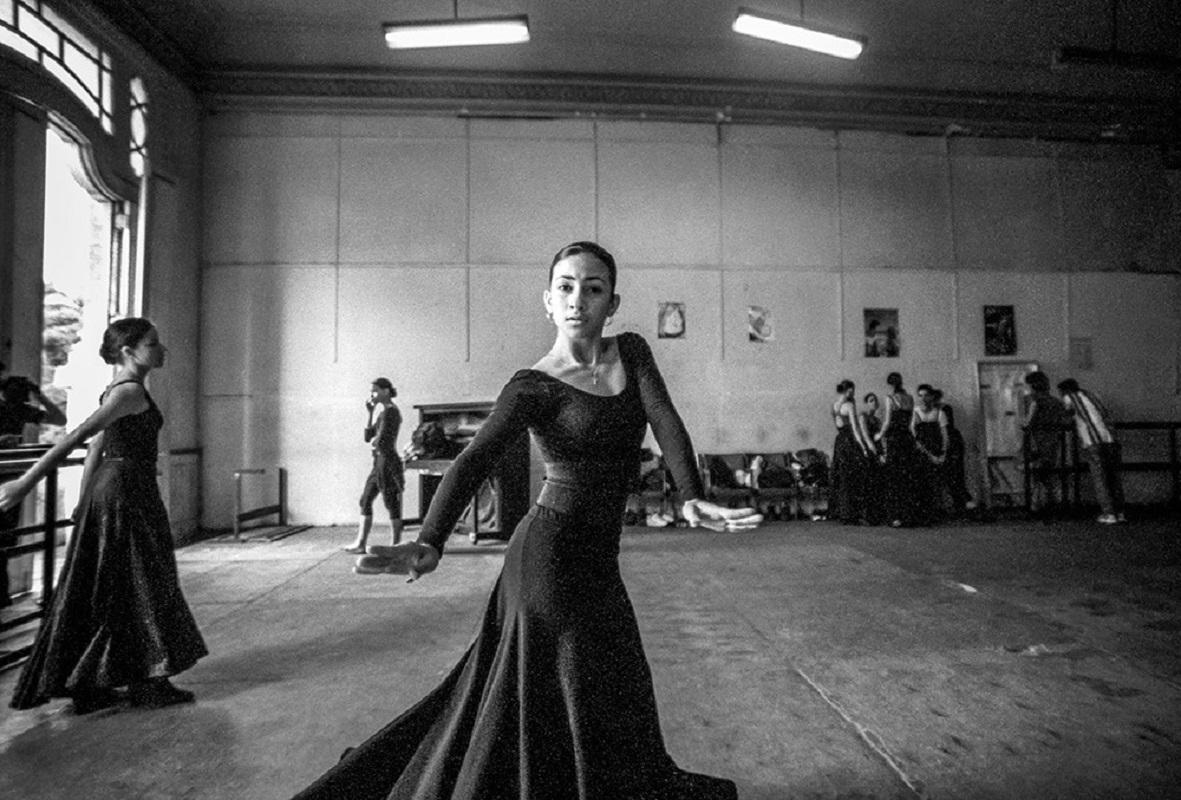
[34, 29]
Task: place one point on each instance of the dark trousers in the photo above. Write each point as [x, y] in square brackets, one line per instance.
[1104, 462]
[386, 479]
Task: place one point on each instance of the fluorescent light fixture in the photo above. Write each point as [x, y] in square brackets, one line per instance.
[798, 34]
[456, 32]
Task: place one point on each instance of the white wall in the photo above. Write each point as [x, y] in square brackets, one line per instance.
[338, 248]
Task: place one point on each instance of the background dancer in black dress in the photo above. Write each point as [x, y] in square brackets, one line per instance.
[850, 457]
[874, 482]
[554, 698]
[929, 427]
[900, 465]
[118, 616]
[954, 469]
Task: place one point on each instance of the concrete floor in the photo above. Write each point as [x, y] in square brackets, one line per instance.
[805, 660]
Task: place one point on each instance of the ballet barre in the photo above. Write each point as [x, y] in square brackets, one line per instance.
[279, 509]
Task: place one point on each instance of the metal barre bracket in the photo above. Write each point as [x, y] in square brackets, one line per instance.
[279, 508]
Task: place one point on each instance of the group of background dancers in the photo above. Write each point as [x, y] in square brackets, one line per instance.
[901, 463]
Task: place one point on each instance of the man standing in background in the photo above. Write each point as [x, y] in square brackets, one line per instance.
[1096, 437]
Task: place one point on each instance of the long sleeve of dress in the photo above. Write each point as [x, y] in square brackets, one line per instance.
[666, 423]
[520, 402]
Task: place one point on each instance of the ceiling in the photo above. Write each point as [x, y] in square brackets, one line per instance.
[977, 66]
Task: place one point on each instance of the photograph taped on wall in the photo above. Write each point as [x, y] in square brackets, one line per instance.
[1000, 331]
[758, 324]
[1081, 355]
[882, 335]
[670, 320]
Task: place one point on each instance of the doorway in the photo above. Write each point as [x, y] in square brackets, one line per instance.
[76, 274]
[1002, 407]
[76, 271]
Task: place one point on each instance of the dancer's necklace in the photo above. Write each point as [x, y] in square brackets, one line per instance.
[594, 370]
[593, 367]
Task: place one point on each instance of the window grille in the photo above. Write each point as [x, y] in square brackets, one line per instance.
[139, 126]
[34, 29]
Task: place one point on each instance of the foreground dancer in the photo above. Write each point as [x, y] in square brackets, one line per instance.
[554, 698]
[118, 617]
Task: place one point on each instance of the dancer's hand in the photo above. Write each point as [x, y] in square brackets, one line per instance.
[424, 560]
[414, 559]
[702, 513]
[11, 493]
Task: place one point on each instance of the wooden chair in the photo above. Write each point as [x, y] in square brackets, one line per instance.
[775, 485]
[653, 489]
[812, 475]
[725, 477]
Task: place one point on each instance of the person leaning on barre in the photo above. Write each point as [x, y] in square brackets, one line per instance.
[119, 625]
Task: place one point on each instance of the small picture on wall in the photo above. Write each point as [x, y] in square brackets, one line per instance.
[1000, 331]
[882, 337]
[758, 324]
[670, 320]
[1082, 354]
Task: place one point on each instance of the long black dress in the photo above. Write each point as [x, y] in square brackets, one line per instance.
[118, 615]
[928, 433]
[554, 699]
[902, 469]
[876, 506]
[953, 470]
[848, 474]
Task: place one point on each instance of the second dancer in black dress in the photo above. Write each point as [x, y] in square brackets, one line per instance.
[118, 617]
[554, 699]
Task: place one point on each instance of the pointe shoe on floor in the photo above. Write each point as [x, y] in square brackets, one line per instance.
[158, 694]
[355, 549]
[385, 550]
[374, 565]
